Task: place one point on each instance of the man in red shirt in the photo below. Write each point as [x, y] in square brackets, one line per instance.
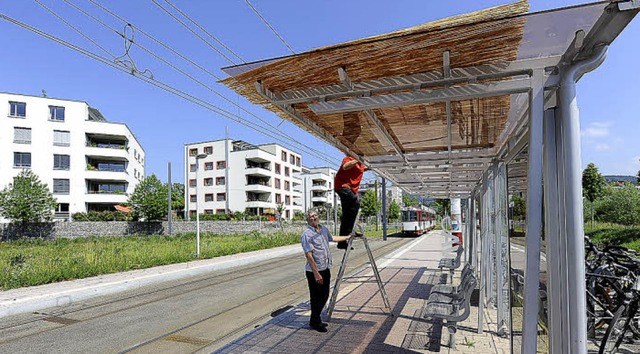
[346, 185]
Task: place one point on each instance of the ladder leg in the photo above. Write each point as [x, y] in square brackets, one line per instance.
[336, 286]
[372, 260]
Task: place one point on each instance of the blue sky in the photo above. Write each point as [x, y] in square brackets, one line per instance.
[608, 98]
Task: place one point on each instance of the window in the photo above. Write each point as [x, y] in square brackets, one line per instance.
[287, 200]
[278, 198]
[17, 109]
[277, 183]
[208, 197]
[193, 198]
[56, 113]
[192, 213]
[192, 167]
[284, 156]
[286, 171]
[193, 152]
[208, 166]
[208, 181]
[61, 162]
[220, 211]
[292, 159]
[208, 150]
[21, 159]
[286, 185]
[278, 168]
[221, 197]
[192, 183]
[298, 161]
[219, 181]
[22, 135]
[208, 211]
[61, 138]
[60, 186]
[221, 165]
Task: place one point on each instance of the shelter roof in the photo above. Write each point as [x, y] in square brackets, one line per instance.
[429, 107]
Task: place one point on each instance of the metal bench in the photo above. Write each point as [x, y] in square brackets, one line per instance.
[452, 263]
[446, 289]
[450, 308]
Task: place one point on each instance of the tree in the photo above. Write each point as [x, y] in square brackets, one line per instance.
[393, 212]
[519, 208]
[592, 185]
[370, 204]
[27, 199]
[442, 206]
[638, 177]
[149, 199]
[177, 196]
[409, 200]
[621, 205]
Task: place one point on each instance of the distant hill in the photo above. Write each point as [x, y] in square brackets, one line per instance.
[626, 179]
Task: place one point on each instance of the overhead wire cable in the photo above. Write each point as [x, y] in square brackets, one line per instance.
[168, 88]
[269, 25]
[314, 152]
[192, 31]
[74, 28]
[204, 30]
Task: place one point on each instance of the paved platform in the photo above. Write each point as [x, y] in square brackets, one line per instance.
[361, 323]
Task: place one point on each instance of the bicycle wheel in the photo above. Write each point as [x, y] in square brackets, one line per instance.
[616, 331]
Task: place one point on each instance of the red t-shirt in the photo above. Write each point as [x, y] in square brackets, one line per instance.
[349, 178]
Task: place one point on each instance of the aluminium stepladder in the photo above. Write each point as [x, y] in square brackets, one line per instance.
[343, 265]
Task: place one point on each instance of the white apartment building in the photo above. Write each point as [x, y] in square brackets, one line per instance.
[233, 175]
[317, 187]
[87, 162]
[393, 192]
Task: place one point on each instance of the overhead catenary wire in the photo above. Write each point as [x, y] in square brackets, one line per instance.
[204, 30]
[168, 88]
[194, 32]
[313, 152]
[269, 25]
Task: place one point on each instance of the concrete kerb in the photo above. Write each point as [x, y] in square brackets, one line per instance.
[29, 299]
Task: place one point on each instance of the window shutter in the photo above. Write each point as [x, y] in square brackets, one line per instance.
[22, 135]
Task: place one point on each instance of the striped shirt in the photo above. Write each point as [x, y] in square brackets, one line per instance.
[318, 244]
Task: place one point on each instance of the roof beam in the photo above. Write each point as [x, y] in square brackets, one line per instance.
[455, 93]
[416, 81]
[382, 131]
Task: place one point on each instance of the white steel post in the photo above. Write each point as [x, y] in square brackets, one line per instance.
[570, 123]
[552, 236]
[534, 214]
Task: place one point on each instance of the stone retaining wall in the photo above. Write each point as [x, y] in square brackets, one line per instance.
[120, 228]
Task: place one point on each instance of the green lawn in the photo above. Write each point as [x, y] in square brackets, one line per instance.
[34, 262]
[613, 234]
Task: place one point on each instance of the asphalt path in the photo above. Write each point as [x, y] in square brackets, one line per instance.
[196, 314]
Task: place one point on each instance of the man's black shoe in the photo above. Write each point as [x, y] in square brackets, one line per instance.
[318, 328]
[321, 324]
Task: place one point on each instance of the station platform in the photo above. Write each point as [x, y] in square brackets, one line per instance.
[361, 323]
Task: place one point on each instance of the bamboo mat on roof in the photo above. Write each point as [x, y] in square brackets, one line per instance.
[484, 37]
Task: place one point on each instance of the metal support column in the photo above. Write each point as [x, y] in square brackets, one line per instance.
[384, 209]
[552, 236]
[502, 244]
[571, 160]
[534, 215]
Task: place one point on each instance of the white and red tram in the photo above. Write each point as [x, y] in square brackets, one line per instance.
[418, 220]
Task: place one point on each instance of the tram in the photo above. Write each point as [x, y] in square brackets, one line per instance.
[417, 220]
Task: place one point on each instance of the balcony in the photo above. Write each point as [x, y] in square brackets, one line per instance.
[259, 156]
[258, 171]
[106, 197]
[320, 199]
[258, 188]
[319, 187]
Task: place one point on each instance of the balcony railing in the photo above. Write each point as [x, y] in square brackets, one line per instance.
[107, 145]
[107, 192]
[267, 200]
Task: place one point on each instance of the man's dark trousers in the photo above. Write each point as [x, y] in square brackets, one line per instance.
[350, 206]
[319, 294]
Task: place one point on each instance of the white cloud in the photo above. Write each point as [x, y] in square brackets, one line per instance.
[596, 130]
[602, 147]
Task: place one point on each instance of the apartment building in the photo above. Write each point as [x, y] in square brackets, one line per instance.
[87, 162]
[232, 175]
[393, 192]
[317, 187]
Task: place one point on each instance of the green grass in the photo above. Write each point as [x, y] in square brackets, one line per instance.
[34, 262]
[613, 234]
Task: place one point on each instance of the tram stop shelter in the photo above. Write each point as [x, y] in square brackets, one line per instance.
[481, 106]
